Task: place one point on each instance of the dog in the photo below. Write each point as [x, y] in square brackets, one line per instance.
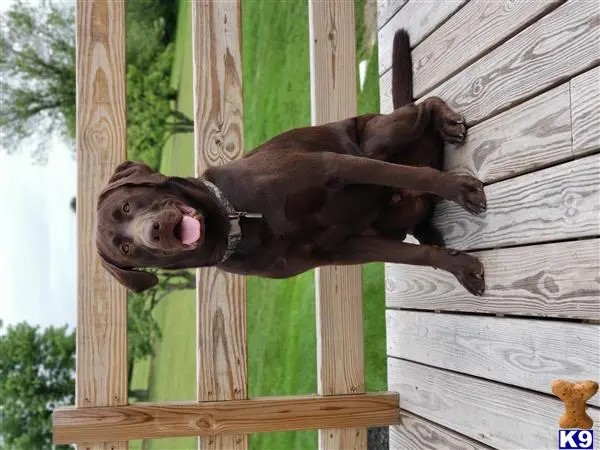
[346, 192]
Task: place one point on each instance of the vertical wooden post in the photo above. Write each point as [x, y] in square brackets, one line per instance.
[218, 115]
[340, 354]
[101, 378]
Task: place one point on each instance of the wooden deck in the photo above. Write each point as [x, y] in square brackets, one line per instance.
[475, 372]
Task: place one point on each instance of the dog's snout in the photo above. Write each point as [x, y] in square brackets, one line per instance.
[155, 232]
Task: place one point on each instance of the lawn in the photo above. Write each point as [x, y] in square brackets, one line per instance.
[281, 313]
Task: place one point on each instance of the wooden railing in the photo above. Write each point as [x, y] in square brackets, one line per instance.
[340, 355]
[223, 415]
[221, 350]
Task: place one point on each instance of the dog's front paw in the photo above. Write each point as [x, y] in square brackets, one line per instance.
[468, 192]
[468, 270]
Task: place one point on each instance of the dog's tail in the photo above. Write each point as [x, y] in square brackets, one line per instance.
[402, 80]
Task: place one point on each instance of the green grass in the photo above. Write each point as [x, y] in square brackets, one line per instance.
[281, 313]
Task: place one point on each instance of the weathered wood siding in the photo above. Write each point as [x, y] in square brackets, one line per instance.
[525, 75]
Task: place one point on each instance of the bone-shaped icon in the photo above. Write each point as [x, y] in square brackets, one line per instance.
[575, 395]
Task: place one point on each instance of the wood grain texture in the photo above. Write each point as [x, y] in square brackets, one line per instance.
[561, 202]
[386, 10]
[221, 297]
[472, 32]
[585, 100]
[263, 414]
[520, 352]
[548, 280]
[498, 415]
[416, 433]
[101, 378]
[340, 353]
[532, 135]
[419, 18]
[340, 341]
[555, 48]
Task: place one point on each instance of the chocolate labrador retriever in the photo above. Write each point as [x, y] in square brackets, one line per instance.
[346, 192]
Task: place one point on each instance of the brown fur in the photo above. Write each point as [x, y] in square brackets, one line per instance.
[346, 192]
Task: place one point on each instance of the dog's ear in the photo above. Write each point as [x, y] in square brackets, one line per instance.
[131, 173]
[128, 169]
[135, 280]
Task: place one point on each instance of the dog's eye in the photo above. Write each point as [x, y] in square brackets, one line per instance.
[126, 207]
[125, 248]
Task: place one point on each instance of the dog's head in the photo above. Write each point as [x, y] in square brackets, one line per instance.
[146, 219]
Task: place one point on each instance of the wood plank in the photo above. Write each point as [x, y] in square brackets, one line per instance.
[101, 377]
[419, 18]
[498, 415]
[561, 202]
[554, 49]
[585, 98]
[221, 358]
[416, 433]
[340, 353]
[263, 414]
[549, 280]
[472, 32]
[521, 352]
[532, 135]
[386, 9]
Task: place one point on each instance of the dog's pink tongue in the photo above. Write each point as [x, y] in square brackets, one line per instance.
[190, 230]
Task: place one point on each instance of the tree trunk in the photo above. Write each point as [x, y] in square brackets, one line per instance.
[141, 395]
[182, 118]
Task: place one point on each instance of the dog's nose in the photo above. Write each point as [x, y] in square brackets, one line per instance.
[155, 231]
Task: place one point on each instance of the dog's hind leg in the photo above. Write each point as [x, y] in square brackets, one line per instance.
[449, 124]
[412, 134]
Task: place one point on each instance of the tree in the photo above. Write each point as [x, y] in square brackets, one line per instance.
[37, 62]
[151, 25]
[38, 90]
[37, 367]
[151, 114]
[168, 282]
[143, 331]
[37, 373]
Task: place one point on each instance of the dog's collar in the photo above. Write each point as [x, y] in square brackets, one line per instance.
[235, 232]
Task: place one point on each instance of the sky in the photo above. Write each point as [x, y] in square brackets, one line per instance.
[37, 236]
